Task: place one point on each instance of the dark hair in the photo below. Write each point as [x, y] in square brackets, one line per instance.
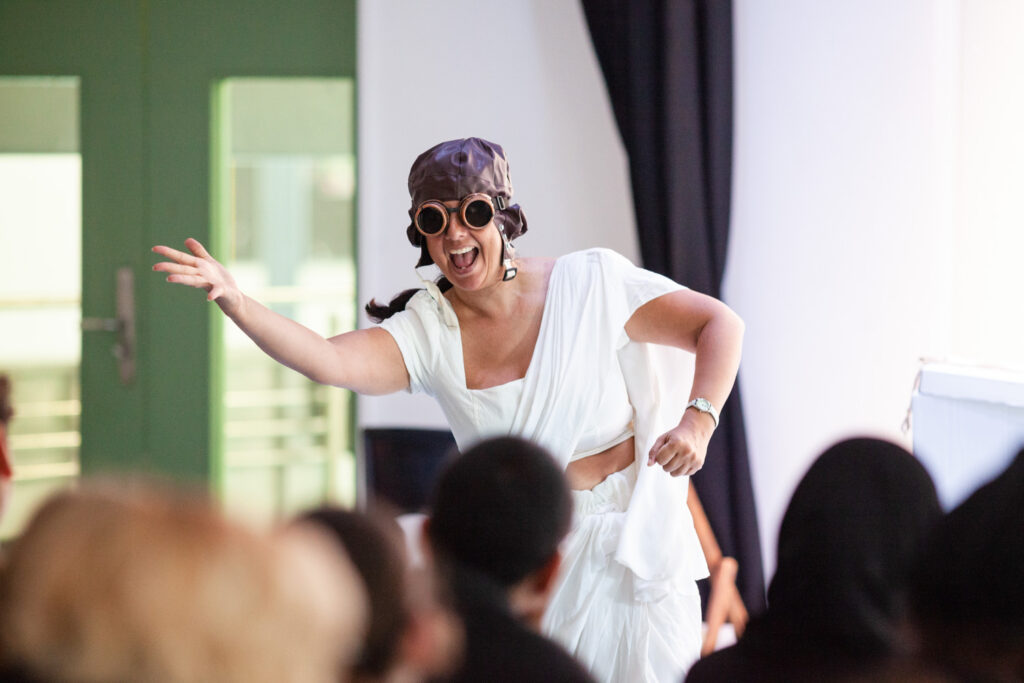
[968, 577]
[6, 411]
[846, 546]
[500, 510]
[379, 313]
[373, 542]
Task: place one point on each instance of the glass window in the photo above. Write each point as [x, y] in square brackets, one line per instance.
[40, 284]
[286, 175]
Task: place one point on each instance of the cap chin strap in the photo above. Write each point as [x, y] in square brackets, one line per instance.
[508, 254]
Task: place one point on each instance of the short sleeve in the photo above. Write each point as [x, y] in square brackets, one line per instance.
[416, 331]
[628, 287]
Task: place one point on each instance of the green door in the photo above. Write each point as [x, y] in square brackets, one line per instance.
[153, 80]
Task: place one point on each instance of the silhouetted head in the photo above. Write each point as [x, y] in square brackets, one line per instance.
[374, 545]
[501, 510]
[847, 543]
[967, 592]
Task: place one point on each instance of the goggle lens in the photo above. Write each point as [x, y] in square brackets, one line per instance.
[478, 214]
[430, 220]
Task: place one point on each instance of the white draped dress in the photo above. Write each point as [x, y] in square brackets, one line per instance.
[626, 604]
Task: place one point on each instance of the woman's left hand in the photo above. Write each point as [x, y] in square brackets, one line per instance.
[682, 450]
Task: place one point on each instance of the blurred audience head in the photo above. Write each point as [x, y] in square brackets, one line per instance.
[847, 543]
[410, 636]
[968, 589]
[499, 513]
[127, 581]
[6, 470]
[6, 409]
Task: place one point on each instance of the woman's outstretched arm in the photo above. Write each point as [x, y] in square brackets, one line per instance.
[365, 361]
[707, 327]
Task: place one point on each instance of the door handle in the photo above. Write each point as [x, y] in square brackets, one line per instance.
[123, 324]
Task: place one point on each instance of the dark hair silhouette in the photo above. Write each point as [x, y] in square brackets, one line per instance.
[500, 510]
[838, 601]
[374, 544]
[967, 595]
[847, 543]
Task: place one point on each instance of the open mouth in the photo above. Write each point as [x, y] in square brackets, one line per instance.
[463, 259]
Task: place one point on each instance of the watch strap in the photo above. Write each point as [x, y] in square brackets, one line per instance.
[704, 406]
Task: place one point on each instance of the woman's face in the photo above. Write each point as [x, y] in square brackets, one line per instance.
[469, 257]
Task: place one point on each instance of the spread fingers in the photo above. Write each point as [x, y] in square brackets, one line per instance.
[175, 255]
[196, 248]
[175, 268]
[191, 280]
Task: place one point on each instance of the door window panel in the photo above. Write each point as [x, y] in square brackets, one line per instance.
[285, 207]
[40, 284]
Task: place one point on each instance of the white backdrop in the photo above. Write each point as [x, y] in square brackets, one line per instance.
[842, 224]
[849, 215]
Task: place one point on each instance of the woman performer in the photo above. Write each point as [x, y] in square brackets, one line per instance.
[552, 350]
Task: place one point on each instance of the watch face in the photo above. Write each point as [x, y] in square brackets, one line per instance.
[702, 404]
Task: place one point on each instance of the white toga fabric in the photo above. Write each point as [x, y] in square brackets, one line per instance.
[582, 354]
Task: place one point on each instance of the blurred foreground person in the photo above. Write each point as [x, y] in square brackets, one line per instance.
[129, 583]
[498, 515]
[6, 469]
[968, 590]
[837, 602]
[410, 636]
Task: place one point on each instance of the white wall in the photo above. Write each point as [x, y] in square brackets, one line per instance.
[990, 180]
[841, 241]
[877, 214]
[869, 177]
[522, 74]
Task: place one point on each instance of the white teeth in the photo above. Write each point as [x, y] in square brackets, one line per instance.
[462, 251]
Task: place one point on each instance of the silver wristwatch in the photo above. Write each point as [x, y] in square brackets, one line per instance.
[704, 406]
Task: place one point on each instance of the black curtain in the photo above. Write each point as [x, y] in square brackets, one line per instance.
[668, 67]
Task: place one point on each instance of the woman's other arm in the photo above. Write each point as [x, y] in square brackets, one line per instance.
[365, 361]
[707, 327]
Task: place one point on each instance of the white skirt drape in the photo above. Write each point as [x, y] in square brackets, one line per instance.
[621, 631]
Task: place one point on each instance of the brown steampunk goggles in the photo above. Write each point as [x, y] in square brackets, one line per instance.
[475, 210]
